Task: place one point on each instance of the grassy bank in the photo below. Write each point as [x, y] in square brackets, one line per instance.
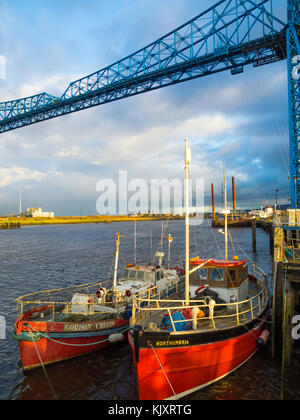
[26, 221]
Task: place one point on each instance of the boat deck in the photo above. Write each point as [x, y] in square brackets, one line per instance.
[224, 316]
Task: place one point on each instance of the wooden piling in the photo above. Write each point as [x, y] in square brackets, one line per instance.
[285, 300]
[233, 194]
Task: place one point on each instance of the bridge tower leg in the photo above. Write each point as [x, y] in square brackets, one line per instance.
[293, 62]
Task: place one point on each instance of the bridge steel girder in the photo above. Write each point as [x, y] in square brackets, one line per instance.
[259, 52]
[293, 69]
[227, 36]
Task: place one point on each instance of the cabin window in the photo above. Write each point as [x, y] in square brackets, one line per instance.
[217, 274]
[126, 274]
[149, 276]
[201, 274]
[132, 274]
[241, 276]
[231, 277]
[159, 275]
[140, 275]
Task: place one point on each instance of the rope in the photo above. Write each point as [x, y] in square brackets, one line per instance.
[231, 242]
[74, 345]
[43, 366]
[196, 240]
[169, 383]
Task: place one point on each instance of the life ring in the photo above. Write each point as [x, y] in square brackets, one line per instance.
[200, 289]
[128, 293]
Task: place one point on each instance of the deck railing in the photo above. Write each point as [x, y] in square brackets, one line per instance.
[58, 300]
[149, 309]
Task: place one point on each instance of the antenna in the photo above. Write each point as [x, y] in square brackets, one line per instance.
[116, 261]
[162, 236]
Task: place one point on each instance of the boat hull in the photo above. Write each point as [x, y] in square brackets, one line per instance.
[174, 372]
[38, 345]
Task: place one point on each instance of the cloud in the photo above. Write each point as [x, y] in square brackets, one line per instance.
[241, 119]
[67, 152]
[16, 174]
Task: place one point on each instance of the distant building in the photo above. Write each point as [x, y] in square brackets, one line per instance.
[38, 212]
[263, 214]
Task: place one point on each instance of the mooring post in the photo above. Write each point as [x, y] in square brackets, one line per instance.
[254, 236]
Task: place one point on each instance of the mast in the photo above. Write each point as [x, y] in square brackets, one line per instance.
[134, 242]
[162, 236]
[116, 261]
[225, 215]
[213, 201]
[187, 236]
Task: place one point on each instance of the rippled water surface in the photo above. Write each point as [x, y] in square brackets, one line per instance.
[48, 257]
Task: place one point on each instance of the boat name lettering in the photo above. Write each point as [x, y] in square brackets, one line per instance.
[172, 343]
[88, 327]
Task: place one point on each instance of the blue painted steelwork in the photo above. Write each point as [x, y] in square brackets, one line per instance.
[293, 60]
[12, 109]
[228, 36]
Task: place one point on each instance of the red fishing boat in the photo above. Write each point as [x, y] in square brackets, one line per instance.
[184, 342]
[57, 325]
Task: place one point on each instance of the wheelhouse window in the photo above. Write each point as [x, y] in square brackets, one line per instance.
[159, 275]
[132, 274]
[149, 276]
[231, 277]
[201, 274]
[217, 274]
[140, 275]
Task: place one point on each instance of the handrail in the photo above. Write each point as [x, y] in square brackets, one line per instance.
[250, 307]
[82, 286]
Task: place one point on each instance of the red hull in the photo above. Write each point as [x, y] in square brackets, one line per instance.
[189, 369]
[60, 341]
[51, 352]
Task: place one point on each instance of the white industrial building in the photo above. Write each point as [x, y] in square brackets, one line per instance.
[38, 212]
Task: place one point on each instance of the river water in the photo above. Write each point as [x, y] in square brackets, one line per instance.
[49, 257]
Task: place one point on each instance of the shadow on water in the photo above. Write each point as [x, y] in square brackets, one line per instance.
[47, 257]
[104, 375]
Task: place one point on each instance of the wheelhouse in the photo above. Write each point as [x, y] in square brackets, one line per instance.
[229, 279]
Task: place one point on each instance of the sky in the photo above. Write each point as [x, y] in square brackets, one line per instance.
[242, 120]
